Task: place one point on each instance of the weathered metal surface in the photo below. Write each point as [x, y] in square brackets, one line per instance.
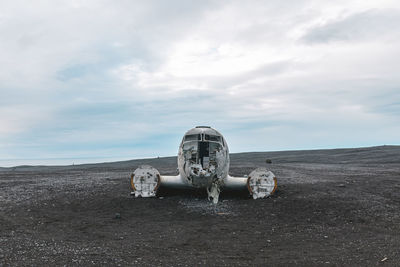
[261, 183]
[213, 191]
[203, 162]
[145, 181]
[176, 181]
[235, 183]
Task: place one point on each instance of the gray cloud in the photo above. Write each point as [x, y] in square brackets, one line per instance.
[127, 78]
[380, 24]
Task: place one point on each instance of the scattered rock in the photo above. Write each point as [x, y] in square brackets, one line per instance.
[117, 216]
[268, 161]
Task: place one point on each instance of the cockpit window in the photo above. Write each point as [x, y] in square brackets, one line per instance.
[192, 137]
[214, 138]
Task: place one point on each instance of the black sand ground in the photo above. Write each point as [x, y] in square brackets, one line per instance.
[333, 208]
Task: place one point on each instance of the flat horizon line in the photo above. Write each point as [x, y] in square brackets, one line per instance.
[122, 159]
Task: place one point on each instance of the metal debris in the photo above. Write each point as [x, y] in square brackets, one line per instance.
[203, 162]
[261, 183]
[145, 181]
[213, 192]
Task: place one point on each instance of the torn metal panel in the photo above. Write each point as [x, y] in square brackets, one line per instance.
[261, 183]
[203, 158]
[213, 192]
[145, 181]
[203, 162]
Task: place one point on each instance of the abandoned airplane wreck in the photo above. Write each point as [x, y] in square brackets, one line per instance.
[203, 162]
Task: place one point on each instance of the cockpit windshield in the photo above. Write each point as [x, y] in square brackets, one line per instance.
[213, 138]
[203, 137]
[192, 137]
[202, 148]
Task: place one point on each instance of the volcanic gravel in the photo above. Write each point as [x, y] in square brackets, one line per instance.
[336, 207]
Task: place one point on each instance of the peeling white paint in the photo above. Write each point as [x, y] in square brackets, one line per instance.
[213, 192]
[203, 162]
[145, 181]
[262, 183]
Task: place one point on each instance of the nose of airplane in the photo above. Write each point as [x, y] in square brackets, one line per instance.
[201, 177]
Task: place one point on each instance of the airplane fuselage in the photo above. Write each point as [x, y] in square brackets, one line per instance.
[203, 162]
[203, 157]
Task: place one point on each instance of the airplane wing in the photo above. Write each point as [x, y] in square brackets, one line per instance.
[260, 183]
[235, 183]
[146, 180]
[173, 182]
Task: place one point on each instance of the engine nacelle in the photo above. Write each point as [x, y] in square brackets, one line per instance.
[145, 181]
[261, 183]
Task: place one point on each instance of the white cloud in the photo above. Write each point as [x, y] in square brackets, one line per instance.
[105, 72]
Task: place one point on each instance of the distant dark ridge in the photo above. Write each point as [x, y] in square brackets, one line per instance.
[386, 154]
[365, 155]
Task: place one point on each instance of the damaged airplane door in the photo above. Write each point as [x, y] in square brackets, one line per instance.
[203, 162]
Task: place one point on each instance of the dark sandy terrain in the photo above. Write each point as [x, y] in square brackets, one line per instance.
[333, 208]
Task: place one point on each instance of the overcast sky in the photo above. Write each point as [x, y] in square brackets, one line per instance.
[126, 79]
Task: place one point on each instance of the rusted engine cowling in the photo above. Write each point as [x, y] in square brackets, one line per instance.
[261, 183]
[145, 181]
